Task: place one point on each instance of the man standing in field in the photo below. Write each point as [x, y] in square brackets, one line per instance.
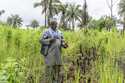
[52, 41]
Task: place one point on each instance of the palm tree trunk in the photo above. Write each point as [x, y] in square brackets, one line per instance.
[50, 6]
[48, 19]
[111, 9]
[45, 17]
[73, 25]
[50, 11]
[69, 25]
[124, 26]
[45, 21]
[61, 24]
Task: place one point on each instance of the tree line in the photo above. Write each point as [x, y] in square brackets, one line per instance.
[70, 14]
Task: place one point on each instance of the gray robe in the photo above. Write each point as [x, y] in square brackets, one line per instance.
[54, 51]
[54, 54]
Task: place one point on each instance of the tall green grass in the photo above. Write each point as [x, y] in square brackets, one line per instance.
[21, 61]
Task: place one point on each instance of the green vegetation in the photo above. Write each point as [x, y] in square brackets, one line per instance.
[122, 11]
[70, 13]
[14, 21]
[49, 8]
[2, 12]
[34, 24]
[95, 55]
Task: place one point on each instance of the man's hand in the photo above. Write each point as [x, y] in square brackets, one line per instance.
[52, 40]
[65, 45]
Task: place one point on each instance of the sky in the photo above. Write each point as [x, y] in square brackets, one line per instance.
[27, 12]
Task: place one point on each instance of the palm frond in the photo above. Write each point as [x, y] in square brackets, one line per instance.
[37, 4]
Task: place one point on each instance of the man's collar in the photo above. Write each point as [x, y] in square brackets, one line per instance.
[53, 30]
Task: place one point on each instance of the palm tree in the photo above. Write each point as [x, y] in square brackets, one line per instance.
[63, 10]
[122, 11]
[72, 14]
[48, 8]
[15, 21]
[84, 17]
[34, 23]
[2, 12]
